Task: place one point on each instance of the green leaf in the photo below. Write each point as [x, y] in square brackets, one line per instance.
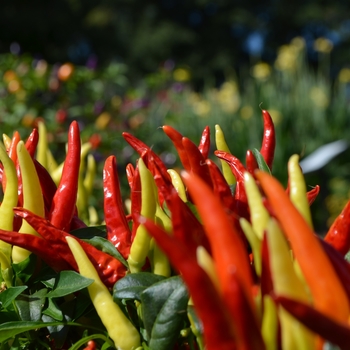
[106, 246]
[68, 282]
[261, 161]
[154, 297]
[30, 306]
[53, 311]
[131, 286]
[90, 232]
[10, 294]
[25, 269]
[170, 320]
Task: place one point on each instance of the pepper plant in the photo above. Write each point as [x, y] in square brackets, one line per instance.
[218, 255]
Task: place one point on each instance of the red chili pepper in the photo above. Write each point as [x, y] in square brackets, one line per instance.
[238, 170]
[312, 194]
[141, 147]
[176, 138]
[109, 268]
[339, 233]
[218, 333]
[130, 174]
[135, 200]
[251, 162]
[91, 345]
[204, 144]
[13, 146]
[197, 161]
[266, 283]
[38, 246]
[335, 332]
[64, 202]
[118, 231]
[32, 142]
[269, 139]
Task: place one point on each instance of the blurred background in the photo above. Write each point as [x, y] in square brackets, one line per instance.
[136, 65]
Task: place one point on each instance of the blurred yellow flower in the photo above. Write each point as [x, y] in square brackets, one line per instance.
[28, 120]
[319, 97]
[13, 86]
[298, 43]
[136, 120]
[181, 74]
[323, 45]
[228, 97]
[116, 102]
[246, 112]
[202, 108]
[102, 120]
[286, 58]
[9, 76]
[344, 75]
[261, 71]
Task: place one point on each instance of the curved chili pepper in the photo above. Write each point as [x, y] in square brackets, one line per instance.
[337, 333]
[227, 247]
[238, 170]
[32, 142]
[64, 202]
[176, 139]
[312, 194]
[130, 174]
[251, 162]
[210, 308]
[269, 139]
[118, 231]
[135, 199]
[42, 145]
[204, 144]
[338, 234]
[197, 161]
[109, 268]
[141, 147]
[178, 184]
[118, 326]
[12, 151]
[304, 244]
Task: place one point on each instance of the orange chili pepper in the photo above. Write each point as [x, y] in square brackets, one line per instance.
[306, 248]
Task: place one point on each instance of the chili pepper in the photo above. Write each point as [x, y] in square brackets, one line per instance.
[221, 145]
[140, 245]
[269, 327]
[118, 231]
[297, 189]
[140, 148]
[64, 201]
[90, 174]
[206, 262]
[210, 308]
[7, 141]
[312, 194]
[238, 171]
[204, 144]
[118, 326]
[91, 345]
[338, 333]
[130, 174]
[176, 138]
[305, 244]
[286, 283]
[259, 216]
[32, 142]
[178, 184]
[197, 161]
[338, 234]
[266, 284]
[227, 247]
[12, 151]
[269, 139]
[135, 199]
[109, 268]
[251, 162]
[32, 197]
[43, 147]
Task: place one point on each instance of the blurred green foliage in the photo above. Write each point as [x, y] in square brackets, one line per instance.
[309, 110]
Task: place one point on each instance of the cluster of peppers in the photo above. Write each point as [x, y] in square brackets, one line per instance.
[258, 276]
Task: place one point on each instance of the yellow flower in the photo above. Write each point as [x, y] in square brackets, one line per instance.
[298, 43]
[228, 97]
[202, 108]
[246, 112]
[181, 74]
[286, 58]
[344, 75]
[319, 97]
[261, 71]
[102, 120]
[323, 45]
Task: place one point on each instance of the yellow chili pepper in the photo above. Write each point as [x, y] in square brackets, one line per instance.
[269, 327]
[43, 147]
[254, 242]
[141, 244]
[118, 326]
[7, 140]
[32, 197]
[178, 184]
[206, 262]
[297, 189]
[90, 174]
[286, 283]
[258, 214]
[221, 145]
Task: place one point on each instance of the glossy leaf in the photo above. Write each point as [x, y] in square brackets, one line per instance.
[30, 306]
[68, 282]
[261, 161]
[132, 285]
[9, 295]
